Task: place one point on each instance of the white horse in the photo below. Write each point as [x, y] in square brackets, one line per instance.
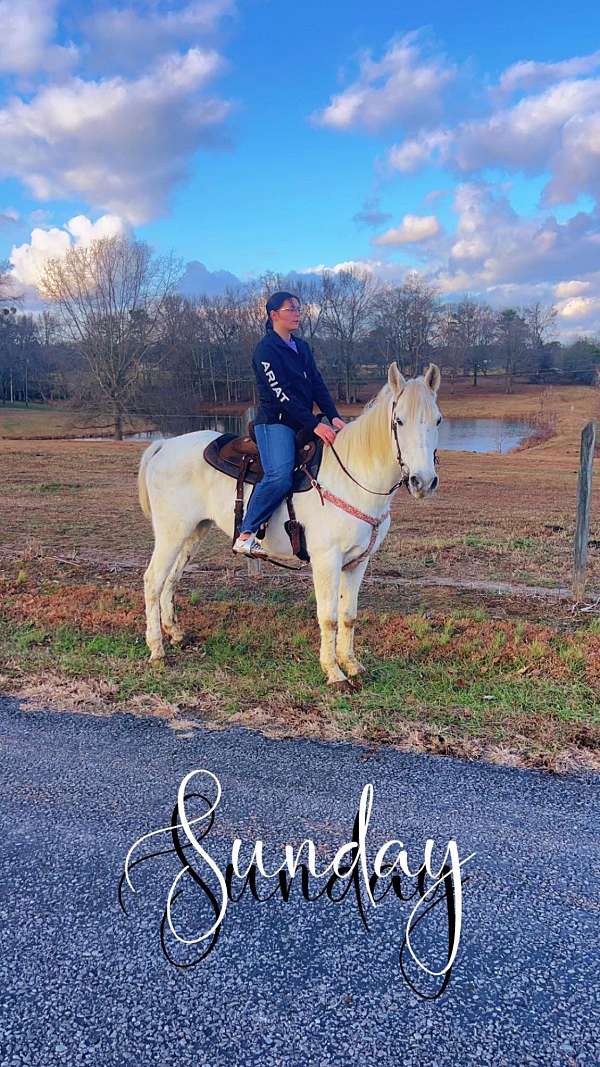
[393, 439]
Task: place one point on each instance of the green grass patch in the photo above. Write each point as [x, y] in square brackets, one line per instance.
[397, 686]
[478, 541]
[48, 488]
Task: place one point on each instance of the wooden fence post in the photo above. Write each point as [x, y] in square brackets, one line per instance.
[584, 499]
[254, 568]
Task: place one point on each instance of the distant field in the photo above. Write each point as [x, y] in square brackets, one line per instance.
[53, 421]
[38, 420]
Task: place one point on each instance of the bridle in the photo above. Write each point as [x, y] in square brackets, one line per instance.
[403, 468]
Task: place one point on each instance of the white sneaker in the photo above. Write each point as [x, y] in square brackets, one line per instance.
[248, 546]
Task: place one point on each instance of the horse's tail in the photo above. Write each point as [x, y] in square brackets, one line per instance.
[142, 487]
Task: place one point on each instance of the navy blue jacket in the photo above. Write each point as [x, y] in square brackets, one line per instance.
[289, 383]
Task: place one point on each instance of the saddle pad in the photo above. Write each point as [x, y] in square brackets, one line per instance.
[212, 455]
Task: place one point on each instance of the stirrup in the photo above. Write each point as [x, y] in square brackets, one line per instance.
[248, 546]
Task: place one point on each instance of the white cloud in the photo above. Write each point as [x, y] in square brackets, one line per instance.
[416, 152]
[405, 86]
[492, 245]
[120, 145]
[386, 270]
[359, 264]
[28, 260]
[580, 307]
[28, 27]
[556, 131]
[552, 129]
[565, 290]
[527, 74]
[412, 228]
[111, 31]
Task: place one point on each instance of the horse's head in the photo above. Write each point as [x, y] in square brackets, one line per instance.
[415, 421]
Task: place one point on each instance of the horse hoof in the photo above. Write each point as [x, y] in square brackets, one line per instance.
[344, 686]
[355, 682]
[157, 659]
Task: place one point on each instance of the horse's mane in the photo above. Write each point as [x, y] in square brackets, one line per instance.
[369, 434]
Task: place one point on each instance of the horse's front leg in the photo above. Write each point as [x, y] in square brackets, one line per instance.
[350, 583]
[326, 577]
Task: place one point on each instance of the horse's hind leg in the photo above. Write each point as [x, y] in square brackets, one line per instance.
[350, 583]
[168, 615]
[166, 552]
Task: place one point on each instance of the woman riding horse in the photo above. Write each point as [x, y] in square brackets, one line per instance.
[288, 384]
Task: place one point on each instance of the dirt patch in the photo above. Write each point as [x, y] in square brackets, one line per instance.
[281, 720]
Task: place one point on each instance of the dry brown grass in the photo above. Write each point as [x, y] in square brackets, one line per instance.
[497, 517]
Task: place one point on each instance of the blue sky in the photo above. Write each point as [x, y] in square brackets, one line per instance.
[249, 136]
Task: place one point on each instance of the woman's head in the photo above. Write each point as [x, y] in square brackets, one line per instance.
[283, 308]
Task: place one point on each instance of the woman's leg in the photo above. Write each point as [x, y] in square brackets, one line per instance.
[277, 447]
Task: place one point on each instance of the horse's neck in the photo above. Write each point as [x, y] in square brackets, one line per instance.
[376, 468]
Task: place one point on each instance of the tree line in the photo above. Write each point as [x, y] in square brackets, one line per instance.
[116, 336]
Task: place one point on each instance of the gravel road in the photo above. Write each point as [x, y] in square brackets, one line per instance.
[292, 983]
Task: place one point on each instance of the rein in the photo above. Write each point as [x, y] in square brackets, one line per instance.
[403, 480]
[374, 492]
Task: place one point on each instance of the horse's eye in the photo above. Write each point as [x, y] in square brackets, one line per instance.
[399, 422]
[439, 420]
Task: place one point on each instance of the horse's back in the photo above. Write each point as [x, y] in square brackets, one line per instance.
[179, 451]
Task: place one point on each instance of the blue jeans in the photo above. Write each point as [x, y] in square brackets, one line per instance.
[277, 447]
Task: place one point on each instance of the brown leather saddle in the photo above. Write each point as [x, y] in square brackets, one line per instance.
[231, 455]
[239, 458]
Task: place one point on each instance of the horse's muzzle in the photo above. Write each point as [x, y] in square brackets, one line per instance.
[420, 487]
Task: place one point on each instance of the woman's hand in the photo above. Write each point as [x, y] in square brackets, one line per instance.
[338, 423]
[325, 432]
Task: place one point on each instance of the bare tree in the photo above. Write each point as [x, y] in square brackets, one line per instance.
[222, 325]
[580, 361]
[347, 313]
[310, 294]
[472, 334]
[539, 319]
[420, 314]
[111, 296]
[49, 328]
[390, 326]
[407, 319]
[511, 332]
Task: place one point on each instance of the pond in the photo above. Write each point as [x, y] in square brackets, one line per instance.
[456, 435]
[483, 435]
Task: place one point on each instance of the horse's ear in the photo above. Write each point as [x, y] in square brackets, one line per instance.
[396, 379]
[433, 377]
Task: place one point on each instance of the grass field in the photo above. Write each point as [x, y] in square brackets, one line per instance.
[43, 421]
[512, 678]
